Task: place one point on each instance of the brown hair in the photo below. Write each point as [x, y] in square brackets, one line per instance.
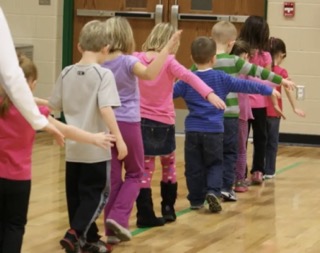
[240, 47]
[30, 72]
[203, 49]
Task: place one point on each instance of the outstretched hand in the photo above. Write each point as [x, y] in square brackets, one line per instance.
[299, 112]
[216, 101]
[57, 135]
[288, 84]
[104, 140]
[174, 42]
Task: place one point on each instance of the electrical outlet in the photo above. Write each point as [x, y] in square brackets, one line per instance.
[300, 92]
[44, 2]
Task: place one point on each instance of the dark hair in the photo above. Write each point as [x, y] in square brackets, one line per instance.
[203, 49]
[240, 47]
[256, 32]
[276, 46]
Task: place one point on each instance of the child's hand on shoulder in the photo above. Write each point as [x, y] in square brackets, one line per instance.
[216, 101]
[104, 140]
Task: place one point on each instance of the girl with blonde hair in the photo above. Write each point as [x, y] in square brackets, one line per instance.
[157, 123]
[126, 68]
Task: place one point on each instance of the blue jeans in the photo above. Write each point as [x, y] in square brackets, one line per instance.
[203, 165]
[230, 152]
[273, 124]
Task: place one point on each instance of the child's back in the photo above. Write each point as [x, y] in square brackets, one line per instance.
[80, 91]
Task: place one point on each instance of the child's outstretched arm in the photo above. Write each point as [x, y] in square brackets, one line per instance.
[41, 101]
[151, 71]
[216, 101]
[110, 120]
[249, 69]
[296, 110]
[101, 140]
[276, 106]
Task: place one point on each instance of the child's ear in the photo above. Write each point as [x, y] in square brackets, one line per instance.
[214, 59]
[231, 44]
[79, 48]
[106, 49]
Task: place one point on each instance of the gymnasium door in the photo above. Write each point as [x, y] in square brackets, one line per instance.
[194, 17]
[142, 15]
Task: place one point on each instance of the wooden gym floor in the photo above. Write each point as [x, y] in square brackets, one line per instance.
[282, 215]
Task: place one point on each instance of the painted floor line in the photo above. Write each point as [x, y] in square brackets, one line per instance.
[188, 210]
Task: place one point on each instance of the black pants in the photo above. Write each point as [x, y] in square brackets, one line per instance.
[87, 189]
[259, 124]
[14, 202]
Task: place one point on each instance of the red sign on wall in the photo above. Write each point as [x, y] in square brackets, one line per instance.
[288, 9]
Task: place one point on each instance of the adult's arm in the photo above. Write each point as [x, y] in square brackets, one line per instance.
[13, 81]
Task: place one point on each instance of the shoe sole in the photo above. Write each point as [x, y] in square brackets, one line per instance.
[119, 231]
[241, 189]
[68, 246]
[214, 205]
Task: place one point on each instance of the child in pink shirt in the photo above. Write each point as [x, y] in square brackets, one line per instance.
[157, 123]
[16, 138]
[274, 108]
[255, 32]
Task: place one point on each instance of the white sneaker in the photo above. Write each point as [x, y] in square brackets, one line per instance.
[122, 233]
[229, 195]
[112, 239]
[266, 176]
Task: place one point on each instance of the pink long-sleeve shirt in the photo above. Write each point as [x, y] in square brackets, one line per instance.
[262, 59]
[156, 100]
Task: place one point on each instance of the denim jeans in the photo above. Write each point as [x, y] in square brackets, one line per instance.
[273, 124]
[230, 151]
[203, 165]
[158, 138]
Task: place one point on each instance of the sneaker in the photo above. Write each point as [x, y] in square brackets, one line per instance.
[214, 203]
[96, 247]
[122, 233]
[112, 239]
[196, 207]
[267, 176]
[70, 242]
[229, 195]
[240, 186]
[257, 178]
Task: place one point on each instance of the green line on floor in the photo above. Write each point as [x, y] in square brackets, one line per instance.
[188, 210]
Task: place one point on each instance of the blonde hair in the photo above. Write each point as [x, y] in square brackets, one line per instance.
[30, 72]
[93, 36]
[223, 32]
[120, 31]
[159, 37]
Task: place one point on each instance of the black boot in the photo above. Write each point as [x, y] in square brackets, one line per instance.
[169, 196]
[145, 214]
